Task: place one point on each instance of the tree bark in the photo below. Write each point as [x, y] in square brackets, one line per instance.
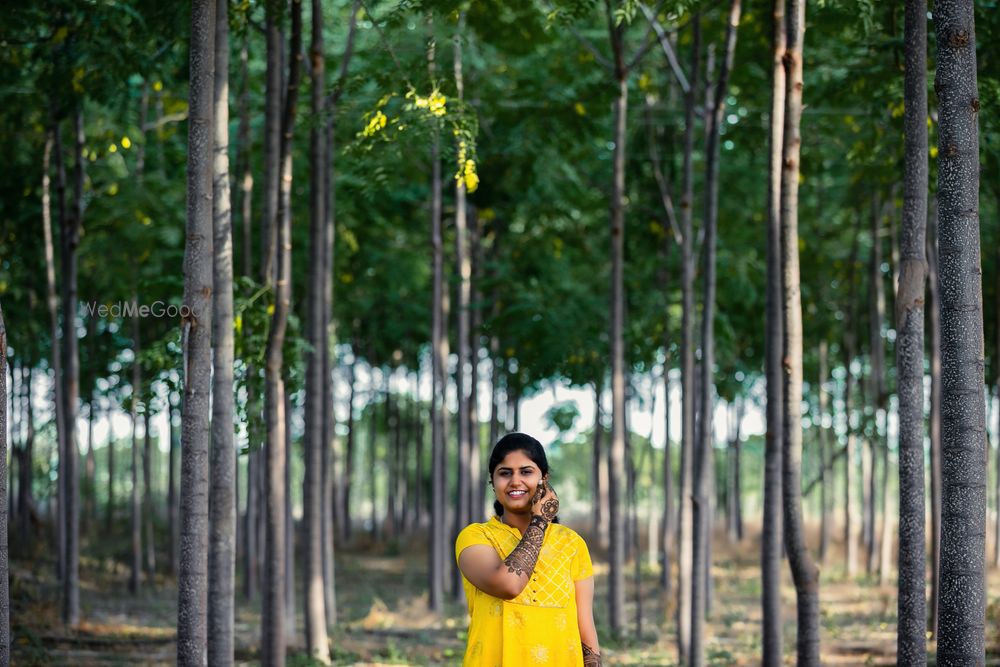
[290, 625]
[148, 511]
[934, 418]
[439, 361]
[316, 407]
[911, 638]
[771, 541]
[4, 546]
[804, 571]
[192, 589]
[704, 468]
[222, 491]
[173, 501]
[344, 520]
[686, 526]
[53, 137]
[848, 349]
[477, 495]
[824, 529]
[616, 510]
[962, 605]
[135, 504]
[68, 461]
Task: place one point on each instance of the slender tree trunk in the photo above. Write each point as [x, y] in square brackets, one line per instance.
[372, 466]
[316, 407]
[771, 540]
[996, 480]
[53, 137]
[824, 526]
[804, 571]
[868, 477]
[616, 510]
[934, 418]
[963, 471]
[668, 525]
[439, 361]
[463, 269]
[148, 511]
[244, 171]
[25, 501]
[222, 491]
[173, 501]
[135, 504]
[192, 584]
[57, 347]
[344, 523]
[290, 626]
[704, 468]
[911, 638]
[68, 462]
[4, 546]
[599, 465]
[684, 590]
[477, 495]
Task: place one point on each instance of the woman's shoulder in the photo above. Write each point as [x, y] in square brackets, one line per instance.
[565, 532]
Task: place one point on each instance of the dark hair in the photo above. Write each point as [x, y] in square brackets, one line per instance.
[517, 442]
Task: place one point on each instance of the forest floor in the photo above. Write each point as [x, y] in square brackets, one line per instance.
[384, 620]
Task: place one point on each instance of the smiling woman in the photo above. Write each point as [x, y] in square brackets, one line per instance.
[528, 580]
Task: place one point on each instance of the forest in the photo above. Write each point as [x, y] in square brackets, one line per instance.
[276, 275]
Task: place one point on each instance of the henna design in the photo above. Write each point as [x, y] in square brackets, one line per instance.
[550, 508]
[591, 658]
[524, 557]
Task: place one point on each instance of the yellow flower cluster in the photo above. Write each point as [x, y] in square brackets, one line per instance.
[435, 103]
[376, 124]
[470, 176]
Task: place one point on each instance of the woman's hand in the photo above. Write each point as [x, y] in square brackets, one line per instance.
[545, 503]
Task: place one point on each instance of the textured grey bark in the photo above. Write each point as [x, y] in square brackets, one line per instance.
[934, 419]
[135, 502]
[173, 500]
[290, 624]
[477, 495]
[599, 463]
[704, 468]
[911, 638]
[439, 361]
[69, 458]
[4, 546]
[686, 525]
[347, 472]
[962, 606]
[222, 489]
[192, 580]
[804, 572]
[616, 513]
[243, 170]
[771, 539]
[668, 524]
[251, 575]
[824, 525]
[316, 408]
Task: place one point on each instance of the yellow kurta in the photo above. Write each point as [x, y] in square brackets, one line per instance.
[539, 626]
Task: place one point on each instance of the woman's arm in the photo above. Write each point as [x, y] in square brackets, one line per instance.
[585, 619]
[507, 578]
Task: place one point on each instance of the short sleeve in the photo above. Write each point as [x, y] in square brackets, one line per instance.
[471, 535]
[582, 567]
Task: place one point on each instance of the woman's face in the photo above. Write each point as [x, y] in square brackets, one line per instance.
[515, 480]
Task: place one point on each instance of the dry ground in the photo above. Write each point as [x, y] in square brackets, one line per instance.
[384, 619]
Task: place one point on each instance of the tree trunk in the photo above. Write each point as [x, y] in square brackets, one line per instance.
[344, 520]
[290, 626]
[192, 588]
[911, 638]
[244, 172]
[135, 500]
[148, 511]
[824, 526]
[222, 492]
[701, 557]
[616, 514]
[173, 501]
[599, 465]
[996, 479]
[877, 315]
[963, 527]
[804, 572]
[69, 459]
[53, 137]
[372, 464]
[439, 360]
[25, 499]
[771, 540]
[934, 418]
[463, 269]
[848, 348]
[57, 352]
[316, 408]
[477, 495]
[4, 547]
[684, 545]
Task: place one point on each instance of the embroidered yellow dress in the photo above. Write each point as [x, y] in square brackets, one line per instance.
[539, 626]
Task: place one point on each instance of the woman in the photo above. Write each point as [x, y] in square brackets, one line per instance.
[528, 580]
